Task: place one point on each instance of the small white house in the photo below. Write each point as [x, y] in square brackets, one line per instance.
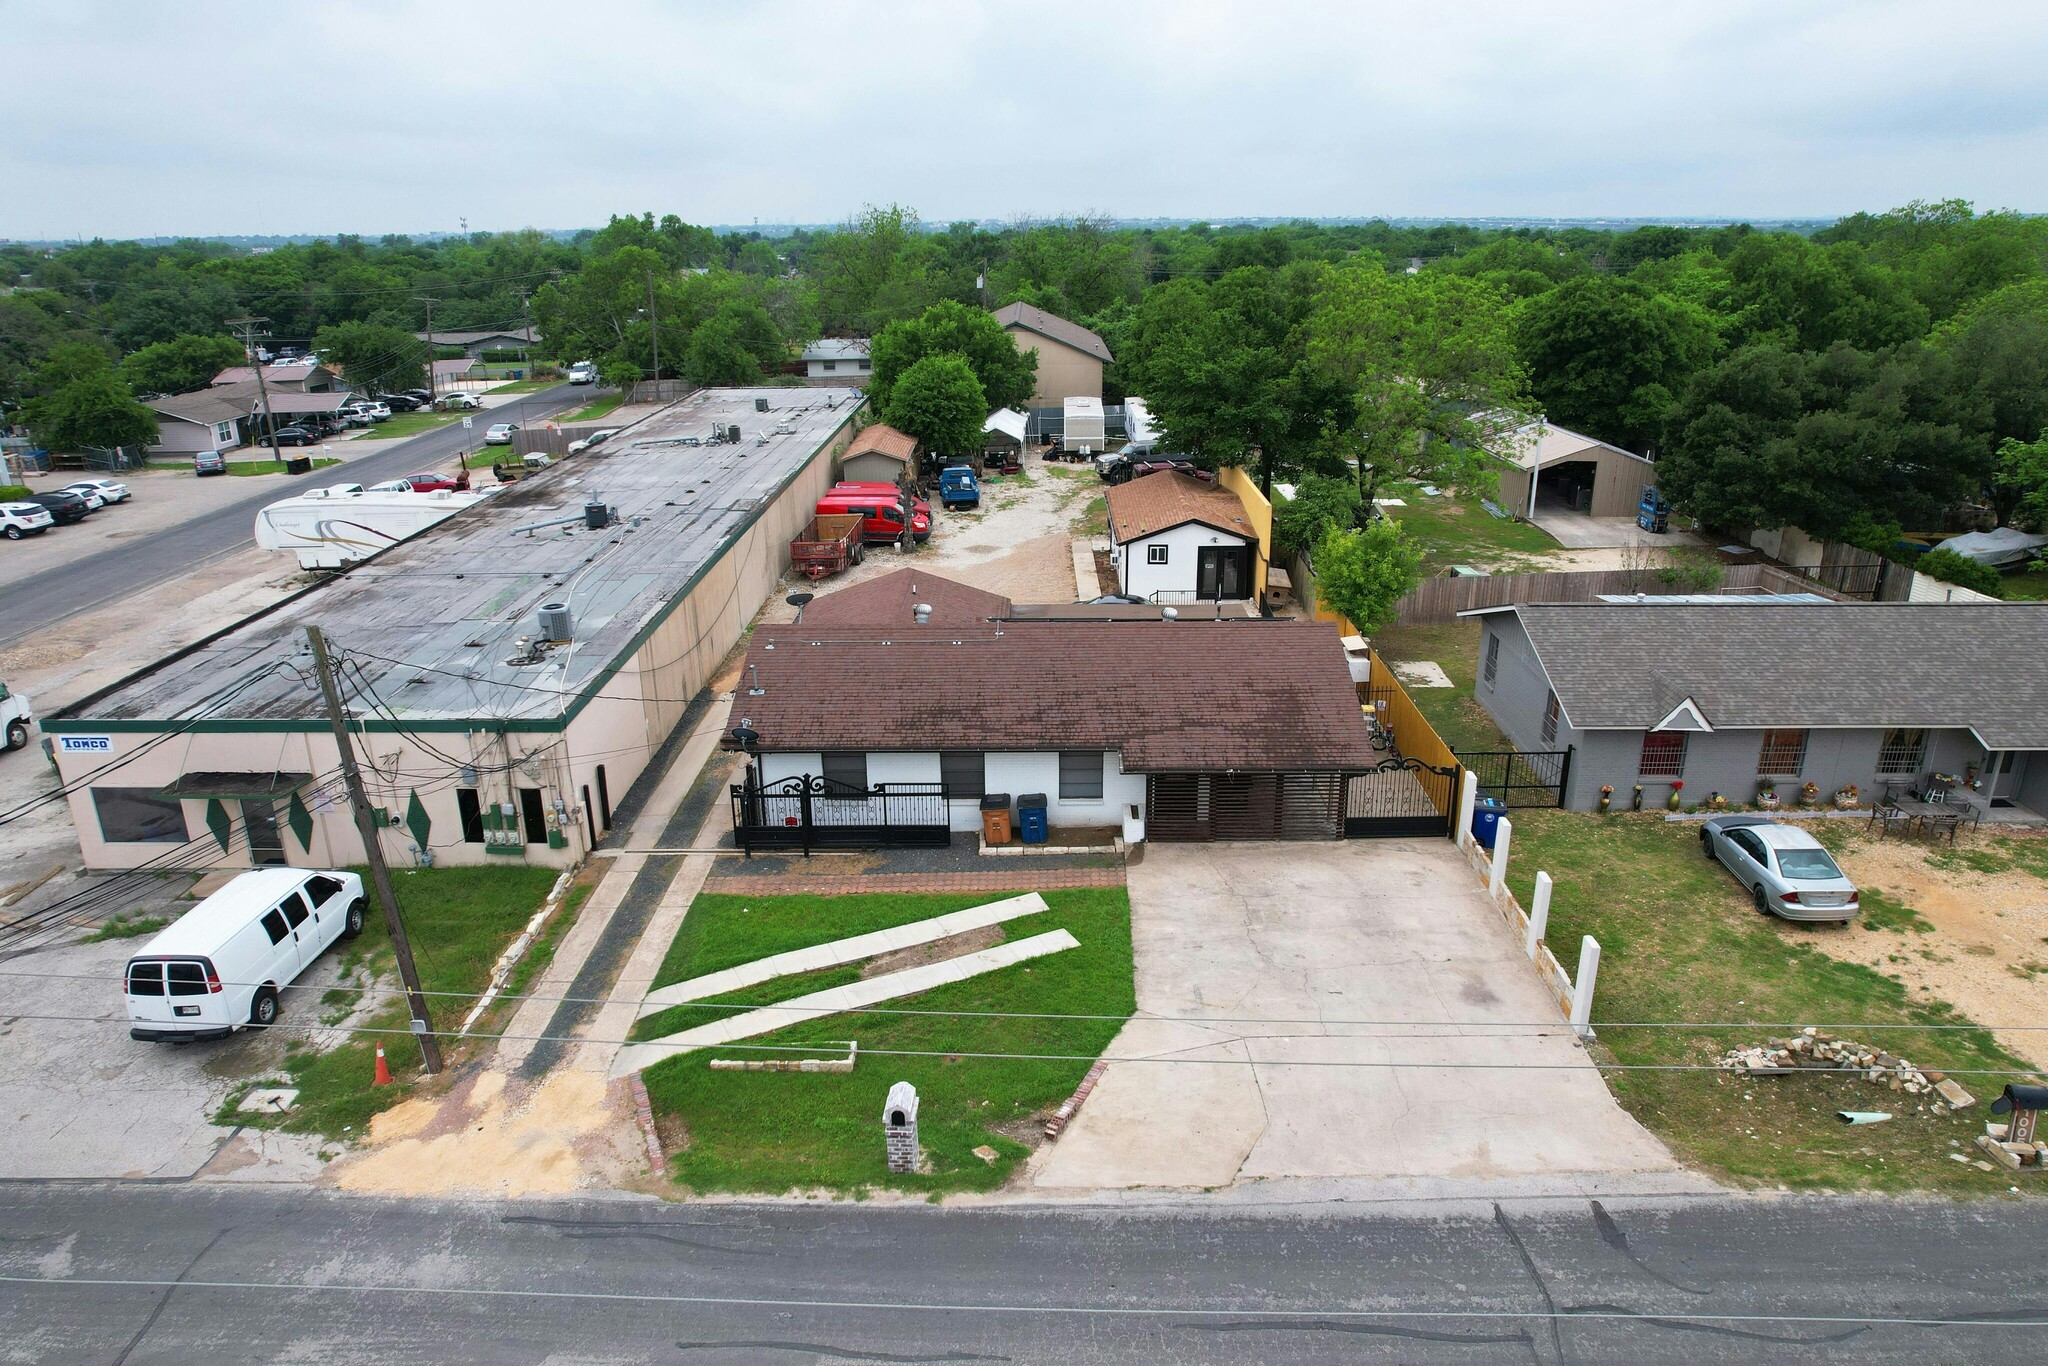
[209, 420]
[838, 360]
[1175, 538]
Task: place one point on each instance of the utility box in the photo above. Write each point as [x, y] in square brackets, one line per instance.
[995, 818]
[1032, 824]
[899, 1127]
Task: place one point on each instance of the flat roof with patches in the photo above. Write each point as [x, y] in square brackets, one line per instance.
[433, 621]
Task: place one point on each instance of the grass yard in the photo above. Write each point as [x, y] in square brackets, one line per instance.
[594, 411]
[2031, 586]
[460, 920]
[272, 466]
[1453, 711]
[1455, 529]
[767, 1132]
[408, 424]
[1680, 942]
[524, 386]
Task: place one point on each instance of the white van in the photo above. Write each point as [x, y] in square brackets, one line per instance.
[583, 372]
[223, 963]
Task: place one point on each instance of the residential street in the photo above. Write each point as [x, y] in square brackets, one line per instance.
[264, 1276]
[40, 599]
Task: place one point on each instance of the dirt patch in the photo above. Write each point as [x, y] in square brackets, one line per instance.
[1987, 951]
[1105, 573]
[938, 951]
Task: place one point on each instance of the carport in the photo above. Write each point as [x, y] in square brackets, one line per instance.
[1551, 468]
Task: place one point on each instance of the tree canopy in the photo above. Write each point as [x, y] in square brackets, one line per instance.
[1363, 574]
[83, 403]
[1006, 375]
[940, 402]
[180, 365]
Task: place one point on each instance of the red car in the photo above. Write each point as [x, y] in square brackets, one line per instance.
[434, 483]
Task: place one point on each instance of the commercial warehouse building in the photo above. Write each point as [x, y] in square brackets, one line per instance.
[487, 728]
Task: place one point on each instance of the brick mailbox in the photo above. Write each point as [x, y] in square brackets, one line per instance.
[899, 1127]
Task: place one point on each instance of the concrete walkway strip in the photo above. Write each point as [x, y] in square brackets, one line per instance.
[840, 951]
[852, 996]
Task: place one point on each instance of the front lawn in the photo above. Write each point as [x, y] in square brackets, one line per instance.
[1453, 712]
[459, 921]
[2030, 586]
[1453, 528]
[1681, 943]
[594, 411]
[523, 386]
[768, 1132]
[409, 424]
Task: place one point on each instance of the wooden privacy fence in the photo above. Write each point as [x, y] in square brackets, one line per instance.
[1438, 601]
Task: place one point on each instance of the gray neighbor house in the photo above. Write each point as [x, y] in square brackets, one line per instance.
[1728, 694]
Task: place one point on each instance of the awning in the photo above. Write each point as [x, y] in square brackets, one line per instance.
[233, 786]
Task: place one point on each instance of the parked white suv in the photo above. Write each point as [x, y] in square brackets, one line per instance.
[450, 402]
[109, 490]
[24, 519]
[223, 964]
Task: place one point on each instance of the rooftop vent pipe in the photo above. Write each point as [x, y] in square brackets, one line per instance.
[923, 612]
[1168, 614]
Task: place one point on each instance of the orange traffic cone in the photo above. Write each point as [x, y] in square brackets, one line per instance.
[383, 1069]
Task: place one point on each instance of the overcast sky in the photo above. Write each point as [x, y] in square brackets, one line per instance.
[127, 118]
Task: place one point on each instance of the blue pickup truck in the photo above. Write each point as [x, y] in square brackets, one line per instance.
[958, 488]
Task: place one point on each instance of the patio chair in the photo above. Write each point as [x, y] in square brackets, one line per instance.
[1885, 818]
[1948, 822]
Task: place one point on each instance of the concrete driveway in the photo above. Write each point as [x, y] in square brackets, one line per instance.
[1382, 957]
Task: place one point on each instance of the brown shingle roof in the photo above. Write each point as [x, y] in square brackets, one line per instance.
[888, 600]
[1171, 696]
[883, 439]
[1054, 326]
[1154, 502]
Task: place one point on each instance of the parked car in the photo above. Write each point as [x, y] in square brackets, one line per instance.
[209, 462]
[357, 415]
[24, 519]
[583, 372]
[402, 403]
[1786, 870]
[958, 488]
[15, 715]
[500, 434]
[109, 490]
[884, 516]
[221, 966]
[94, 499]
[290, 436]
[583, 444]
[1123, 471]
[431, 482]
[64, 508]
[451, 402]
[1116, 600]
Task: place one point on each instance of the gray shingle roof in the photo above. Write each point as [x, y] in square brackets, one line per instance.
[1748, 664]
[1054, 326]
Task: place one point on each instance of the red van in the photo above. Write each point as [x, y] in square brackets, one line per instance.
[883, 511]
[881, 490]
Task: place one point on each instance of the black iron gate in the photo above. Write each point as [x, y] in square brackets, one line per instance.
[1400, 797]
[1520, 778]
[808, 812]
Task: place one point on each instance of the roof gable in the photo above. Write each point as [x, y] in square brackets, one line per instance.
[891, 600]
[882, 439]
[1154, 503]
[1054, 327]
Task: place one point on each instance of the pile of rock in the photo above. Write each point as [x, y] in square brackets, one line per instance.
[2013, 1155]
[1812, 1050]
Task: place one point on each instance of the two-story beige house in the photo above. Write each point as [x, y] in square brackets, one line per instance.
[1070, 357]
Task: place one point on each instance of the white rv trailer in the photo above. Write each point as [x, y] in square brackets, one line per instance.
[328, 528]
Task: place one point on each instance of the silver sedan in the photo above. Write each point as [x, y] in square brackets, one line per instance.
[1786, 870]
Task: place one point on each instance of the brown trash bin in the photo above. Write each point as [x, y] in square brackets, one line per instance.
[995, 818]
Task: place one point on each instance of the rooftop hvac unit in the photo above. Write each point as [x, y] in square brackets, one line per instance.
[555, 621]
[596, 515]
[760, 405]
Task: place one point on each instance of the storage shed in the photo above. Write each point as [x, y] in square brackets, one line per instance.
[880, 454]
[1550, 468]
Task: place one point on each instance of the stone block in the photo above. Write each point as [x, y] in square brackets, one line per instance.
[1955, 1095]
[1999, 1153]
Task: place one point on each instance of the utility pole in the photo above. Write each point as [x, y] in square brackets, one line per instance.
[248, 327]
[432, 388]
[373, 850]
[653, 328]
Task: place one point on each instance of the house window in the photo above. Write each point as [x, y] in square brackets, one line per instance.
[1492, 659]
[139, 815]
[1663, 754]
[846, 768]
[1902, 751]
[224, 433]
[1155, 554]
[1550, 710]
[963, 773]
[1783, 754]
[861, 365]
[830, 364]
[1081, 775]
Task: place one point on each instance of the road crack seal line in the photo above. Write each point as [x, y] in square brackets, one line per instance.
[584, 1229]
[1694, 1326]
[165, 1299]
[1611, 1234]
[1500, 1217]
[1367, 1329]
[826, 1349]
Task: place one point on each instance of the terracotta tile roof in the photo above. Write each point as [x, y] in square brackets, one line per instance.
[883, 439]
[1154, 502]
[1054, 326]
[1171, 696]
[888, 600]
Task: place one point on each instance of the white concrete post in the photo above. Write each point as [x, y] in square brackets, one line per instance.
[1582, 986]
[1539, 915]
[1501, 834]
[1468, 797]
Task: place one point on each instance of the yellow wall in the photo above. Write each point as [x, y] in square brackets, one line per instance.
[1412, 732]
[1258, 512]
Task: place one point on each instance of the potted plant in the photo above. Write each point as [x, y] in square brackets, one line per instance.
[1607, 797]
[1716, 802]
[1845, 796]
[1809, 794]
[1677, 785]
[1635, 802]
[1766, 797]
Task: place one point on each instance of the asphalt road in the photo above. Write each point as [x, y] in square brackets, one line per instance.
[40, 599]
[210, 1274]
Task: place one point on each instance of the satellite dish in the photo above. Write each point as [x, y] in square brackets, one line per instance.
[799, 600]
[746, 737]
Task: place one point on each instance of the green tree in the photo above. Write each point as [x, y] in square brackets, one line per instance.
[874, 270]
[374, 356]
[940, 402]
[1363, 574]
[181, 364]
[2022, 488]
[1430, 366]
[83, 404]
[620, 371]
[718, 355]
[1607, 356]
[1006, 375]
[1319, 503]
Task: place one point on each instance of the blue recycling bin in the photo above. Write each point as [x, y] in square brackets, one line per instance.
[1486, 814]
[1032, 825]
